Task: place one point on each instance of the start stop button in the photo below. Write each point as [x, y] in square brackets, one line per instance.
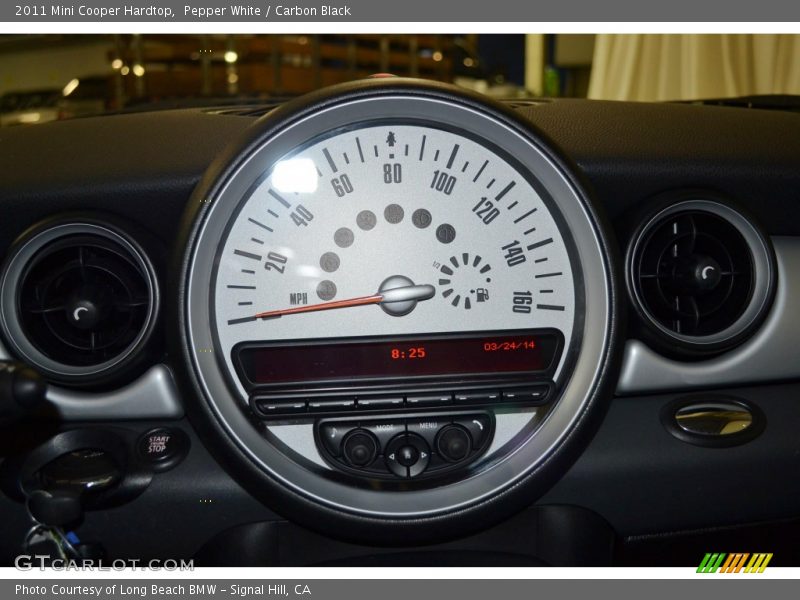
[163, 447]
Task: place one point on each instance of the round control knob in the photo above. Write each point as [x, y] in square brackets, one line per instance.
[359, 448]
[453, 443]
[407, 455]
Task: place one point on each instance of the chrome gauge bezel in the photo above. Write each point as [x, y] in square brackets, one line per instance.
[214, 204]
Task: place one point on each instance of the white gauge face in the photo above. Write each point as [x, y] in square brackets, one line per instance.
[454, 228]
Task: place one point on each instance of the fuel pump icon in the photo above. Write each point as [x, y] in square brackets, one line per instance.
[459, 277]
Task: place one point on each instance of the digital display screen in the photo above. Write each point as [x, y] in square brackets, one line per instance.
[501, 353]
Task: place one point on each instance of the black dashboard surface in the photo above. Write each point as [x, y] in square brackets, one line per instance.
[143, 166]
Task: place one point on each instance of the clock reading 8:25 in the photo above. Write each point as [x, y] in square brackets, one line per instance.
[418, 352]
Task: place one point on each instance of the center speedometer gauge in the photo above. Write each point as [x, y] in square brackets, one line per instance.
[397, 306]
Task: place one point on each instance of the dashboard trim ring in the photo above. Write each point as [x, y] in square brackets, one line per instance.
[27, 247]
[762, 256]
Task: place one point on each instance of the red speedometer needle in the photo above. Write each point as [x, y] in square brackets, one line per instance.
[360, 301]
[398, 294]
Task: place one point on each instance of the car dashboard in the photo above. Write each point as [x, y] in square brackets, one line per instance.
[394, 320]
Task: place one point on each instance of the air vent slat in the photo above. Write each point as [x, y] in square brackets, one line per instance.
[83, 300]
[696, 252]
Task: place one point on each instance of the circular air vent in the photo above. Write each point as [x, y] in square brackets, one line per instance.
[78, 300]
[701, 275]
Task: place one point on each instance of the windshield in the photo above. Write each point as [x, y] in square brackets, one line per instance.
[48, 77]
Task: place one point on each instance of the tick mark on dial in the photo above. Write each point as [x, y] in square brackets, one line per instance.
[280, 198]
[505, 190]
[525, 216]
[260, 224]
[540, 244]
[480, 171]
[452, 157]
[549, 307]
[242, 320]
[329, 158]
[360, 151]
[249, 255]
